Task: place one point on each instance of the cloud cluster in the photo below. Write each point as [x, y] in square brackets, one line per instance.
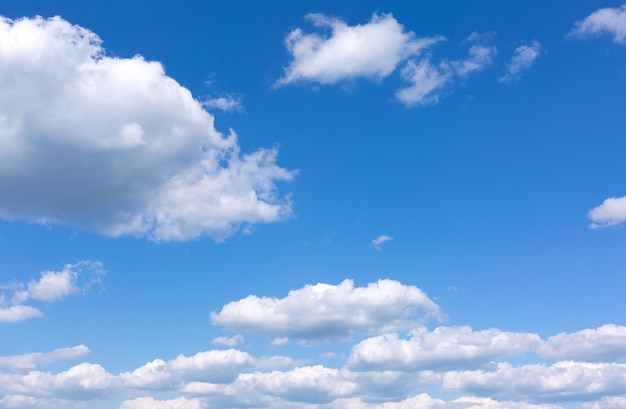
[603, 21]
[50, 287]
[116, 146]
[610, 213]
[374, 50]
[330, 312]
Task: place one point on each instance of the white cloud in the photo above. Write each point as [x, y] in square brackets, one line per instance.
[425, 79]
[372, 50]
[19, 313]
[603, 21]
[610, 213]
[378, 241]
[604, 344]
[614, 402]
[330, 312]
[116, 146]
[52, 286]
[228, 341]
[566, 380]
[227, 103]
[32, 360]
[523, 59]
[151, 403]
[444, 348]
[480, 57]
[428, 79]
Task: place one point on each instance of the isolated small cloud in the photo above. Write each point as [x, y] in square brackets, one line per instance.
[227, 103]
[610, 213]
[19, 313]
[378, 241]
[50, 287]
[372, 50]
[523, 59]
[228, 341]
[330, 312]
[116, 146]
[610, 21]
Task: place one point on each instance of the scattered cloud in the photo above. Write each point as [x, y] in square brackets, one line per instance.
[610, 21]
[469, 367]
[428, 80]
[523, 59]
[378, 241]
[228, 341]
[50, 287]
[330, 312]
[372, 50]
[116, 146]
[610, 213]
[32, 360]
[227, 103]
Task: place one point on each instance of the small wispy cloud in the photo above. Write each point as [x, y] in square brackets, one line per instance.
[378, 241]
[228, 341]
[523, 59]
[228, 103]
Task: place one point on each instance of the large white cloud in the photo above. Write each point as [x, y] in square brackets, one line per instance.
[330, 312]
[444, 348]
[116, 146]
[603, 21]
[372, 50]
[51, 286]
[610, 213]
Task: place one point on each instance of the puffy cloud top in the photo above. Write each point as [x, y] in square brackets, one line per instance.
[116, 146]
[324, 311]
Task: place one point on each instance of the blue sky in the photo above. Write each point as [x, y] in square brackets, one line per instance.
[319, 205]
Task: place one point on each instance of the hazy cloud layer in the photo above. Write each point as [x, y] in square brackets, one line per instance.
[32, 360]
[330, 312]
[116, 146]
[610, 21]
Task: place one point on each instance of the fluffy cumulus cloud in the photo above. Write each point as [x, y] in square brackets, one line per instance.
[459, 367]
[116, 146]
[610, 21]
[523, 58]
[372, 50]
[443, 348]
[51, 286]
[610, 213]
[330, 312]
